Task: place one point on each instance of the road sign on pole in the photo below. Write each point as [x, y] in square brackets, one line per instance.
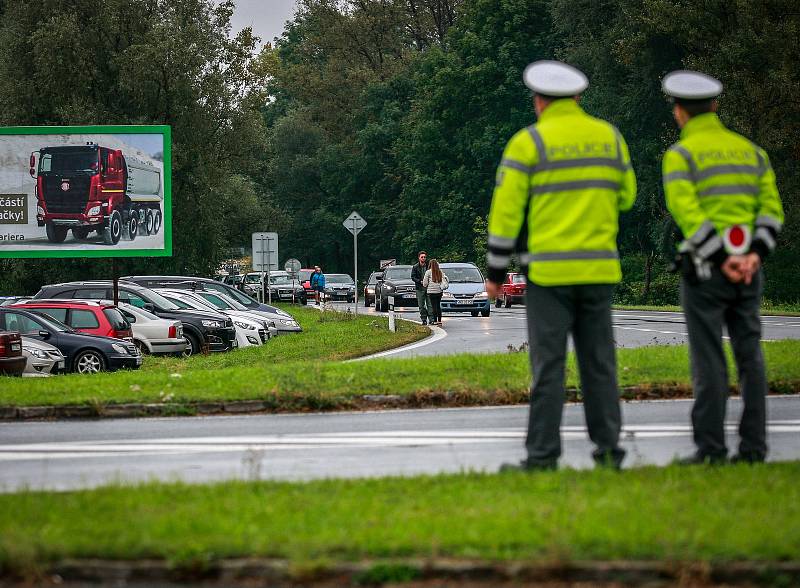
[355, 224]
[265, 258]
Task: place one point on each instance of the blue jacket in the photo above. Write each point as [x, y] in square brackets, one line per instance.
[318, 281]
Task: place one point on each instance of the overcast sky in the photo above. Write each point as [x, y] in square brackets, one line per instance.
[267, 17]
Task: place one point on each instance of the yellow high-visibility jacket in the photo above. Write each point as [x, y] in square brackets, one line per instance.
[571, 172]
[714, 179]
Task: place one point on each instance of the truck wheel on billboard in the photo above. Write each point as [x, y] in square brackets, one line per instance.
[149, 223]
[56, 234]
[113, 230]
[157, 222]
[131, 227]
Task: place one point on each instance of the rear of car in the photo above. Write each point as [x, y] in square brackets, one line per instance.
[90, 317]
[12, 361]
[369, 287]
[152, 334]
[513, 290]
[466, 291]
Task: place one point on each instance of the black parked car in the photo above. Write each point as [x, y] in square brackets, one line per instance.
[200, 328]
[284, 322]
[84, 354]
[396, 282]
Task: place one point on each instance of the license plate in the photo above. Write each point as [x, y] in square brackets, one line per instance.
[409, 295]
[60, 365]
[16, 346]
[463, 301]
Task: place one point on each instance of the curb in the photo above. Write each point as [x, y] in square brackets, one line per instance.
[281, 573]
[306, 403]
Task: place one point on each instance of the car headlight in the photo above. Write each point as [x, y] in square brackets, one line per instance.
[119, 348]
[389, 288]
[242, 325]
[283, 313]
[213, 324]
[370, 290]
[482, 295]
[94, 211]
[447, 295]
[289, 323]
[36, 352]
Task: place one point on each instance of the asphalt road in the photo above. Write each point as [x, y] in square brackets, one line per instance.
[506, 327]
[77, 454]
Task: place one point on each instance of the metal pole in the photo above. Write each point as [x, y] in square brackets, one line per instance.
[355, 265]
[269, 255]
[115, 278]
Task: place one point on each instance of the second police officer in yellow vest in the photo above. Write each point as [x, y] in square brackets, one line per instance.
[720, 188]
[562, 182]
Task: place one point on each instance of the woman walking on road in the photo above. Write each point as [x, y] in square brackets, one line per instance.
[435, 283]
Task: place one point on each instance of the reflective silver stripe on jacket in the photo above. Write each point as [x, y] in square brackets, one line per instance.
[702, 233]
[677, 175]
[574, 185]
[729, 190]
[569, 255]
[763, 234]
[498, 261]
[537, 140]
[770, 222]
[581, 162]
[501, 242]
[516, 165]
[710, 247]
[682, 151]
[723, 169]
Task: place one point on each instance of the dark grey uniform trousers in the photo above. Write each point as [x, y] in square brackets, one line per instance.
[708, 305]
[585, 311]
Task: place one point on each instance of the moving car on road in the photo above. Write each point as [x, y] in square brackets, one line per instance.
[93, 317]
[285, 288]
[369, 287]
[43, 359]
[12, 361]
[202, 329]
[283, 320]
[84, 354]
[154, 335]
[513, 291]
[467, 290]
[396, 282]
[340, 287]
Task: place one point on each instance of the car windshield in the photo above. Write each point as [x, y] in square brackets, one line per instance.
[338, 279]
[283, 280]
[219, 301]
[158, 300]
[518, 279]
[398, 273]
[463, 275]
[115, 318]
[373, 278]
[242, 299]
[138, 311]
[180, 304]
[80, 160]
[252, 278]
[304, 275]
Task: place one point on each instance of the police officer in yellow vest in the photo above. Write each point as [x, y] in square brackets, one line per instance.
[720, 188]
[563, 182]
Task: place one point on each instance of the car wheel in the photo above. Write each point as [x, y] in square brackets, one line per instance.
[113, 230]
[473, 312]
[498, 301]
[55, 234]
[141, 347]
[485, 312]
[193, 348]
[89, 362]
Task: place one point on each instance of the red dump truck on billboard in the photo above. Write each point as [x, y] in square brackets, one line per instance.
[89, 188]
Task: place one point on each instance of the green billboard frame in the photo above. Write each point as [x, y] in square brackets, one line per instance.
[164, 130]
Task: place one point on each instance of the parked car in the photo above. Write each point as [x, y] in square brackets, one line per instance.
[304, 277]
[369, 287]
[227, 305]
[204, 330]
[513, 291]
[84, 354]
[154, 335]
[249, 331]
[87, 316]
[396, 282]
[340, 287]
[283, 320]
[284, 287]
[12, 361]
[43, 359]
[9, 300]
[467, 290]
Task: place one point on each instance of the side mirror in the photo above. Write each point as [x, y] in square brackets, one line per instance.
[149, 307]
[44, 334]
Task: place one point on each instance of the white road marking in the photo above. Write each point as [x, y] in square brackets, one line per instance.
[197, 445]
[437, 335]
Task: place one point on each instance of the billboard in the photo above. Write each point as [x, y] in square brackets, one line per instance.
[94, 191]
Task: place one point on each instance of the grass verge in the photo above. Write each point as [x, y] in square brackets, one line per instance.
[323, 385]
[671, 514]
[767, 309]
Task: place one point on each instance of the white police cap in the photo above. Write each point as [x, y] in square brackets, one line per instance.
[554, 78]
[691, 85]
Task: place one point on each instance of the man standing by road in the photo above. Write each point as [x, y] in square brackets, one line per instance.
[567, 178]
[318, 283]
[721, 190]
[417, 274]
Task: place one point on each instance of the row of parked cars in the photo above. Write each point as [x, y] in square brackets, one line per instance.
[74, 326]
[284, 287]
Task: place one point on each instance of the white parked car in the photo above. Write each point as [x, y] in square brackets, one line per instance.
[250, 330]
[43, 359]
[227, 305]
[152, 334]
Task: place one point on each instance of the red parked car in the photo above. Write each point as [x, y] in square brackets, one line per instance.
[12, 362]
[513, 291]
[86, 316]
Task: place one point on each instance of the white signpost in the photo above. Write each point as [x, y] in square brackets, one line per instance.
[265, 258]
[355, 224]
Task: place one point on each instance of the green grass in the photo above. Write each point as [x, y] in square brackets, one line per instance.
[281, 383]
[767, 308]
[672, 514]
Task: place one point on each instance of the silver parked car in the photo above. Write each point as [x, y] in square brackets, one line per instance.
[43, 359]
[152, 334]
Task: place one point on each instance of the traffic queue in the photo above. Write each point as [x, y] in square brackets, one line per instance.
[75, 327]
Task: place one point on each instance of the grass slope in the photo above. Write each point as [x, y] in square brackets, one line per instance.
[681, 514]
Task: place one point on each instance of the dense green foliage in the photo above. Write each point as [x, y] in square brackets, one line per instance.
[396, 108]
